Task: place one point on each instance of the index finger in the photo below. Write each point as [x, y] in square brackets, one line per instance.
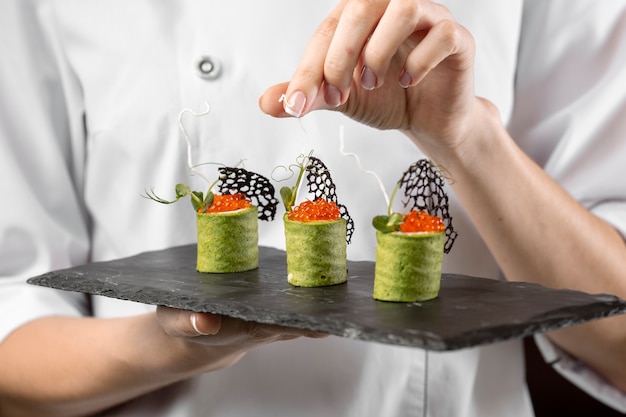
[306, 88]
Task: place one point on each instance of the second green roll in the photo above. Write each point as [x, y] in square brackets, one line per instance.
[316, 252]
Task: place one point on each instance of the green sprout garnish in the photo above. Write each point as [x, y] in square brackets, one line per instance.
[392, 221]
[198, 200]
[289, 194]
[388, 224]
[231, 180]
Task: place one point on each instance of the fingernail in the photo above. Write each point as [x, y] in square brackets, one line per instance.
[194, 324]
[295, 105]
[332, 95]
[405, 79]
[368, 78]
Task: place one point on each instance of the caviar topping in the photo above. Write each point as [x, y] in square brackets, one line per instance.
[319, 209]
[229, 202]
[323, 190]
[421, 221]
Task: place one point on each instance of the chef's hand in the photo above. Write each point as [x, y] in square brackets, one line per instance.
[221, 341]
[391, 64]
[67, 366]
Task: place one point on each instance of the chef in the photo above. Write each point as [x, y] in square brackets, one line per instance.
[91, 94]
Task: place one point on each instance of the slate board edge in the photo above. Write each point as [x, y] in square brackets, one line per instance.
[424, 340]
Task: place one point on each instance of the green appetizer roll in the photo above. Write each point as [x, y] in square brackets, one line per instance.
[228, 241]
[408, 266]
[227, 216]
[316, 252]
[410, 246]
[317, 231]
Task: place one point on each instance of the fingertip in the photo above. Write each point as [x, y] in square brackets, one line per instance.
[405, 79]
[206, 324]
[294, 104]
[332, 96]
[277, 102]
[369, 80]
[270, 102]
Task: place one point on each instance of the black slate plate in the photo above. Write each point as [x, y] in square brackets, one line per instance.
[469, 311]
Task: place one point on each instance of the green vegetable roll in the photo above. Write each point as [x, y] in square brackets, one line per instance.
[228, 241]
[316, 252]
[408, 266]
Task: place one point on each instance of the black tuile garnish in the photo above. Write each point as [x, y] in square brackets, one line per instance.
[423, 188]
[255, 186]
[321, 184]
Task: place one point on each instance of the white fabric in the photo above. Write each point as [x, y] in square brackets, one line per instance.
[71, 185]
[580, 375]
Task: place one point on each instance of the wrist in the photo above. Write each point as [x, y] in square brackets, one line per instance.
[463, 151]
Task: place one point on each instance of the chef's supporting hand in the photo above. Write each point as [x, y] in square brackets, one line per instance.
[224, 336]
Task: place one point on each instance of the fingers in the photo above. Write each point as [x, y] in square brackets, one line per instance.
[355, 47]
[273, 101]
[224, 331]
[307, 84]
[356, 24]
[402, 26]
[247, 334]
[444, 40]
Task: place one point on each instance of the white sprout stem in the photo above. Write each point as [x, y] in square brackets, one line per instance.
[293, 170]
[190, 163]
[305, 163]
[358, 162]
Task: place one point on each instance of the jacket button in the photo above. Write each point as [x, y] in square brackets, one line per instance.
[208, 68]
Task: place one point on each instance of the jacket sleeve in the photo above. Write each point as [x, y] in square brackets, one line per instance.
[43, 225]
[568, 116]
[570, 101]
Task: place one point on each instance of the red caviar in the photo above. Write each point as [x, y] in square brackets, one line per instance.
[309, 211]
[421, 221]
[227, 202]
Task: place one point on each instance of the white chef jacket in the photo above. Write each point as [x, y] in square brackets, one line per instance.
[90, 101]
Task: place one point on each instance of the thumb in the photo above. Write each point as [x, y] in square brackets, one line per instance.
[273, 101]
[205, 324]
[183, 323]
[270, 102]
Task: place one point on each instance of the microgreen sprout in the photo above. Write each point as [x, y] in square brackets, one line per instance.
[289, 194]
[199, 201]
[231, 180]
[392, 221]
